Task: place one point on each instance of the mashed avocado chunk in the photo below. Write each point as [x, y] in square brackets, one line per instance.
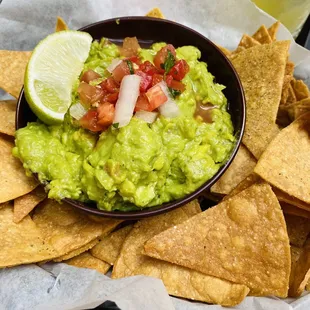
[139, 165]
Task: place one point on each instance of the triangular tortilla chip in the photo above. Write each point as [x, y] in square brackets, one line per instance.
[284, 197]
[247, 42]
[179, 281]
[12, 68]
[61, 25]
[86, 260]
[156, 12]
[298, 229]
[293, 210]
[242, 166]
[285, 89]
[21, 243]
[291, 95]
[25, 204]
[77, 252]
[109, 247]
[301, 89]
[243, 240]
[13, 180]
[301, 272]
[273, 29]
[262, 35]
[261, 70]
[7, 117]
[285, 163]
[65, 227]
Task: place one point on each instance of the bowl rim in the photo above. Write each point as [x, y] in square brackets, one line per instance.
[156, 210]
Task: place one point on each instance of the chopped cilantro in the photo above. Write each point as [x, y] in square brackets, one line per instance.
[130, 66]
[115, 125]
[174, 92]
[169, 62]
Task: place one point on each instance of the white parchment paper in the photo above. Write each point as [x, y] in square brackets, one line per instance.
[58, 286]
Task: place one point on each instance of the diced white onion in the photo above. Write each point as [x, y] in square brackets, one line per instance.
[146, 116]
[77, 111]
[127, 98]
[169, 109]
[115, 62]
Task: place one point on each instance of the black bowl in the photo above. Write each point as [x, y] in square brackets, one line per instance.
[148, 31]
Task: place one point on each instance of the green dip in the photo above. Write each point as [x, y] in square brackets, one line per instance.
[139, 165]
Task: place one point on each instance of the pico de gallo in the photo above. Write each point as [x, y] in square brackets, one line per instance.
[132, 87]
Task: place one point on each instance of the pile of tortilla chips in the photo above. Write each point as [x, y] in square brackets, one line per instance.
[254, 242]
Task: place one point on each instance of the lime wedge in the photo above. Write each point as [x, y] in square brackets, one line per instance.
[53, 68]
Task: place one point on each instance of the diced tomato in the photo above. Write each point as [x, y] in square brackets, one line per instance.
[157, 78]
[179, 70]
[120, 71]
[161, 56]
[112, 98]
[146, 81]
[89, 94]
[110, 85]
[90, 121]
[168, 80]
[177, 85]
[130, 47]
[135, 59]
[106, 113]
[156, 97]
[90, 75]
[142, 104]
[148, 67]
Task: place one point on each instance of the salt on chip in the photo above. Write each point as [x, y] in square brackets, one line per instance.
[7, 117]
[243, 240]
[21, 243]
[61, 25]
[178, 280]
[77, 252]
[301, 272]
[13, 180]
[65, 227]
[156, 13]
[301, 89]
[12, 67]
[86, 260]
[298, 229]
[285, 163]
[262, 35]
[25, 204]
[293, 210]
[241, 167]
[273, 29]
[109, 247]
[261, 70]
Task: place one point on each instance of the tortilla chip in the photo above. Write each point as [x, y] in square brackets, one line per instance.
[261, 70]
[289, 68]
[285, 88]
[242, 166]
[308, 285]
[247, 42]
[78, 251]
[13, 180]
[104, 221]
[302, 272]
[301, 89]
[285, 163]
[243, 240]
[225, 51]
[25, 204]
[298, 229]
[273, 29]
[244, 184]
[262, 35]
[284, 197]
[178, 280]
[299, 108]
[295, 254]
[7, 117]
[293, 210]
[109, 247]
[86, 260]
[61, 25]
[156, 12]
[291, 95]
[65, 227]
[12, 68]
[21, 243]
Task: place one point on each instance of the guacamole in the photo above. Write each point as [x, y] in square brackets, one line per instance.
[139, 165]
